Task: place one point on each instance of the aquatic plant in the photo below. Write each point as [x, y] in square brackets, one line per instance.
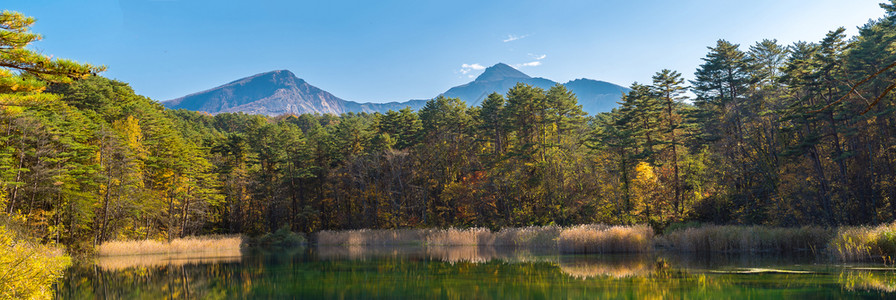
[208, 243]
[606, 239]
[731, 238]
[380, 237]
[460, 237]
[864, 243]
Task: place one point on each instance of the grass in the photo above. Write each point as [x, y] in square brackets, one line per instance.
[373, 237]
[459, 237]
[578, 239]
[865, 243]
[606, 239]
[746, 239]
[528, 237]
[209, 243]
[846, 243]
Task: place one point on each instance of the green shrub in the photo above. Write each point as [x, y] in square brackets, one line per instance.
[283, 237]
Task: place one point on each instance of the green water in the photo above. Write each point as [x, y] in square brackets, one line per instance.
[474, 273]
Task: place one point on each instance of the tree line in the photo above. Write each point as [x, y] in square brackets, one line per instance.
[772, 134]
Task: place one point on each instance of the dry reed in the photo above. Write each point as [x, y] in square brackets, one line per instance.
[374, 237]
[528, 237]
[732, 239]
[578, 239]
[864, 243]
[210, 243]
[460, 237]
[606, 239]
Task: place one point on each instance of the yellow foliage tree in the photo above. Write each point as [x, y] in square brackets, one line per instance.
[28, 270]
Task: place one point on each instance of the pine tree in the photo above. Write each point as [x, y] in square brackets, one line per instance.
[24, 73]
[669, 86]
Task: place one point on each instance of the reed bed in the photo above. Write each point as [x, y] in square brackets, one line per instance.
[749, 239]
[373, 237]
[606, 239]
[865, 243]
[460, 237]
[528, 237]
[366, 252]
[209, 243]
[577, 239]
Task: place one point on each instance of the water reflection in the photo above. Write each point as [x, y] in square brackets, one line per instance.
[115, 263]
[415, 272]
[616, 266]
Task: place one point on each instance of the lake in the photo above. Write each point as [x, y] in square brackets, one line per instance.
[471, 273]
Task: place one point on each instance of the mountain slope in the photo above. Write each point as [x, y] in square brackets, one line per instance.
[498, 78]
[276, 93]
[594, 96]
[281, 92]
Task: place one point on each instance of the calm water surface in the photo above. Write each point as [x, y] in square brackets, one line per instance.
[471, 273]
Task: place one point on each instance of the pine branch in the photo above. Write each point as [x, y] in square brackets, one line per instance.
[854, 87]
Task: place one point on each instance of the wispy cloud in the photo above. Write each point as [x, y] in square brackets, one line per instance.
[538, 57]
[511, 38]
[528, 64]
[467, 68]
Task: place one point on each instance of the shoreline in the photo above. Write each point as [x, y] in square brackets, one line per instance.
[844, 244]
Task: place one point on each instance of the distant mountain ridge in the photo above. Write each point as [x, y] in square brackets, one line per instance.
[282, 92]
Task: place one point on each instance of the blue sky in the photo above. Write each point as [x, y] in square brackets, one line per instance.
[380, 51]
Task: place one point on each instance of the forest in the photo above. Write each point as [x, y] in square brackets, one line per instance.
[772, 134]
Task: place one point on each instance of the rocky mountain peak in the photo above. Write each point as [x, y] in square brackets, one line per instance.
[500, 71]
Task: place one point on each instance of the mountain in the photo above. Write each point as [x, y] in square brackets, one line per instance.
[498, 78]
[281, 92]
[594, 96]
[276, 93]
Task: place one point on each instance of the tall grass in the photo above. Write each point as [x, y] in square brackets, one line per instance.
[865, 243]
[460, 237]
[733, 239]
[210, 243]
[528, 237]
[373, 237]
[578, 239]
[606, 239]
